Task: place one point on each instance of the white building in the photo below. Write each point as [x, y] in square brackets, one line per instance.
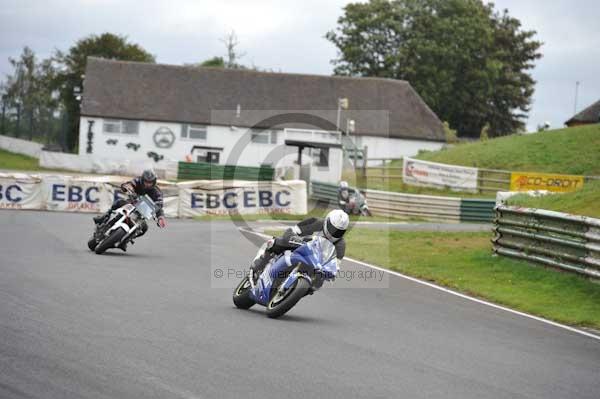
[141, 111]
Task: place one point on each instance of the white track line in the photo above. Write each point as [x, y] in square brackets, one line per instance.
[449, 291]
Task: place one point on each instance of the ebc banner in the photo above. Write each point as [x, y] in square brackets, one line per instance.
[238, 197]
[20, 193]
[74, 195]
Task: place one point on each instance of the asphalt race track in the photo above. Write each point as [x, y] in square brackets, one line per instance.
[147, 324]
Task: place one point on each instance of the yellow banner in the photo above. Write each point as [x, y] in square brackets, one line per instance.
[524, 181]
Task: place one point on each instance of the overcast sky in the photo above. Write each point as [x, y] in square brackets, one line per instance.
[288, 36]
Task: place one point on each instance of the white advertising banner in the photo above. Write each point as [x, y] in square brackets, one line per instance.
[422, 173]
[241, 197]
[19, 191]
[94, 194]
[70, 194]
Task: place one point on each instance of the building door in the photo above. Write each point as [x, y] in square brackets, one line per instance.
[212, 157]
[207, 154]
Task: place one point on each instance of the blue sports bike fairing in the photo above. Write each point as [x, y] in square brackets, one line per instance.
[317, 255]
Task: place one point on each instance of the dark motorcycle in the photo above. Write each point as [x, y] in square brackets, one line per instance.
[357, 204]
[124, 224]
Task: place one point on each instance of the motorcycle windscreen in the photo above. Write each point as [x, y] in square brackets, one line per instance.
[145, 207]
[323, 255]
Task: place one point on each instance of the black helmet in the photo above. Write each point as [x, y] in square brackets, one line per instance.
[148, 176]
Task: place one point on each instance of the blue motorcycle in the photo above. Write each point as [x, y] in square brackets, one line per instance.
[289, 277]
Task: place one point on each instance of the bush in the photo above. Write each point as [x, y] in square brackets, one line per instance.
[485, 133]
[451, 136]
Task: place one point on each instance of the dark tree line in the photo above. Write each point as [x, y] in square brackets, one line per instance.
[41, 98]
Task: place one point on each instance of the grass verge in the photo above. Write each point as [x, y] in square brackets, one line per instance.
[464, 262]
[583, 202]
[569, 151]
[10, 160]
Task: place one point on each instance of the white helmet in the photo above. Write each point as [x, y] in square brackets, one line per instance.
[335, 225]
[344, 185]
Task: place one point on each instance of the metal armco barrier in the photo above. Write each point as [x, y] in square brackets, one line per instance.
[426, 207]
[209, 171]
[323, 191]
[477, 210]
[557, 239]
[418, 206]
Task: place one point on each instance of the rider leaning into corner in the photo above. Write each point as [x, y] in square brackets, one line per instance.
[333, 227]
[144, 184]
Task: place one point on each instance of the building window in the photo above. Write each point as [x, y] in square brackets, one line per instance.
[111, 126]
[320, 157]
[121, 126]
[194, 132]
[130, 127]
[264, 136]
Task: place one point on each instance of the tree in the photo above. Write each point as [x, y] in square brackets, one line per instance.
[469, 63]
[233, 55]
[72, 68]
[28, 91]
[231, 42]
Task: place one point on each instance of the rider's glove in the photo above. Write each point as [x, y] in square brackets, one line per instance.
[162, 222]
[126, 187]
[296, 240]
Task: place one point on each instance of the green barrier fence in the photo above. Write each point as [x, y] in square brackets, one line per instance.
[477, 210]
[209, 171]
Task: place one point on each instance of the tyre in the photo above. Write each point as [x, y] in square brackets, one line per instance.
[92, 244]
[110, 241]
[281, 303]
[241, 294]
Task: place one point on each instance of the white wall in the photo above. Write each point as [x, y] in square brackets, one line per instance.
[237, 147]
[384, 147]
[20, 146]
[217, 136]
[332, 173]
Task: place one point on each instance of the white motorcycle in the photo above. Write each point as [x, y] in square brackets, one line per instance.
[124, 224]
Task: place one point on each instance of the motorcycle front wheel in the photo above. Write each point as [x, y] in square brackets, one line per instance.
[110, 241]
[284, 301]
[92, 243]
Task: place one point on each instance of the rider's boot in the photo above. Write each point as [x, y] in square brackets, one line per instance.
[258, 265]
[102, 218]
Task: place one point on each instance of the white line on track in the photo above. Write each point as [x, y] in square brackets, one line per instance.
[449, 291]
